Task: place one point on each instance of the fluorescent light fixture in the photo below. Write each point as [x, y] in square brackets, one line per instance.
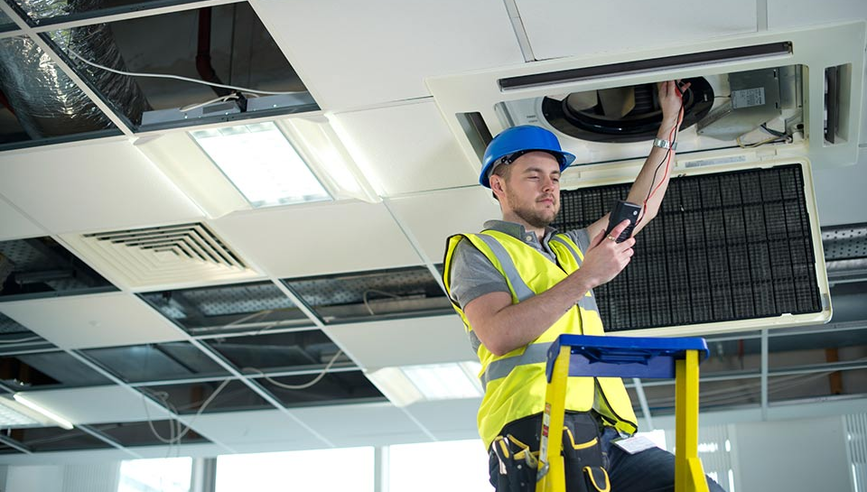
[12, 416]
[262, 164]
[60, 421]
[409, 384]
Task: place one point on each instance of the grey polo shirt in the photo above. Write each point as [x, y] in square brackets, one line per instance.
[473, 275]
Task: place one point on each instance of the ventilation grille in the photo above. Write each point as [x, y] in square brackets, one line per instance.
[159, 256]
[725, 247]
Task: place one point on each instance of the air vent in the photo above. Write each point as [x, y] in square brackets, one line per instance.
[160, 256]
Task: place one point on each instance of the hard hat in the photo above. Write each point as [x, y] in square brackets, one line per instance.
[524, 138]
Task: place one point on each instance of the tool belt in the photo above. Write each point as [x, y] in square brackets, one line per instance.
[514, 454]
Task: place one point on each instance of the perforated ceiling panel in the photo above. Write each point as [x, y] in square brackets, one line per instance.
[338, 298]
[228, 308]
[724, 247]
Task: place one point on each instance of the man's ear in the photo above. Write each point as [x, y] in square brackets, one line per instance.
[497, 186]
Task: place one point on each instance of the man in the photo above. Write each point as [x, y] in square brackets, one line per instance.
[519, 284]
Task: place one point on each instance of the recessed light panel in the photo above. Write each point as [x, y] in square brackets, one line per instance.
[262, 164]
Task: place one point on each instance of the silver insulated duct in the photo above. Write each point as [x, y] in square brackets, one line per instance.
[44, 99]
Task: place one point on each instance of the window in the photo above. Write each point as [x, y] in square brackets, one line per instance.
[156, 475]
[456, 466]
[325, 470]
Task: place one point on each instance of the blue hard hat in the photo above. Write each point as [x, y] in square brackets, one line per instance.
[524, 138]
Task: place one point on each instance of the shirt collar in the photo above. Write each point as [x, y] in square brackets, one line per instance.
[518, 231]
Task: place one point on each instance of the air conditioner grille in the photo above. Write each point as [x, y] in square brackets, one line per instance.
[194, 241]
[162, 256]
[724, 247]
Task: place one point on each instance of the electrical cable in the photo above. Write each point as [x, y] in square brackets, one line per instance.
[178, 77]
[367, 303]
[672, 137]
[299, 386]
[164, 398]
[209, 101]
[21, 340]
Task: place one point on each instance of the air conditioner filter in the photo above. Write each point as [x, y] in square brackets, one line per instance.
[724, 247]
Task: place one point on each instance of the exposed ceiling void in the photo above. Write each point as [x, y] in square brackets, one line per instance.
[214, 44]
[333, 388]
[190, 398]
[46, 370]
[378, 294]
[155, 433]
[39, 103]
[16, 338]
[228, 308]
[40, 439]
[42, 12]
[156, 362]
[40, 267]
[6, 23]
[297, 351]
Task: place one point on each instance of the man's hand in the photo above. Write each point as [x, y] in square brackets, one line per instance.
[670, 102]
[606, 258]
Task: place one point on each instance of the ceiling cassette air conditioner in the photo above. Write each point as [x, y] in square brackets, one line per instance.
[777, 102]
[803, 88]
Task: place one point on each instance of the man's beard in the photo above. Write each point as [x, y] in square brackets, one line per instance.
[534, 217]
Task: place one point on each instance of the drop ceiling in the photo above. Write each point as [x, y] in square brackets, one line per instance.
[365, 69]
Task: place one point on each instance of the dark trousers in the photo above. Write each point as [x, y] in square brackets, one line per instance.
[651, 470]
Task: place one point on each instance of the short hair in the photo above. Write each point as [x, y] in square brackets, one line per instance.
[503, 171]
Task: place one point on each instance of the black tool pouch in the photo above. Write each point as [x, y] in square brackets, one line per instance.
[513, 464]
[582, 455]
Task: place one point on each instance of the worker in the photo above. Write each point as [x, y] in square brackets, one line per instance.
[519, 284]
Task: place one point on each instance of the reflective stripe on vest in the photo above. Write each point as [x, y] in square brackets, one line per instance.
[534, 354]
[522, 291]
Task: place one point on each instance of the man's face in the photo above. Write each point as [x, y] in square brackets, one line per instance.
[532, 189]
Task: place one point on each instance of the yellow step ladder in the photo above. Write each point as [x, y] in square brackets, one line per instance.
[584, 355]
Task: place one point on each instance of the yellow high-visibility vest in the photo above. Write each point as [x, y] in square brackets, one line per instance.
[515, 382]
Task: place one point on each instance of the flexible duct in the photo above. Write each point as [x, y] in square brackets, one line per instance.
[45, 100]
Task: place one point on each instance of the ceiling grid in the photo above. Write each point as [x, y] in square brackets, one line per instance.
[374, 97]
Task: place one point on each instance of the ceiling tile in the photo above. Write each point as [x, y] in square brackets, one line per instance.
[448, 419]
[359, 53]
[15, 224]
[102, 320]
[98, 404]
[318, 239]
[420, 341]
[254, 428]
[406, 148]
[625, 25]
[362, 425]
[432, 217]
[96, 185]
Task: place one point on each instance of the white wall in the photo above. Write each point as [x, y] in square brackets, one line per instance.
[30, 478]
[792, 455]
[63, 478]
